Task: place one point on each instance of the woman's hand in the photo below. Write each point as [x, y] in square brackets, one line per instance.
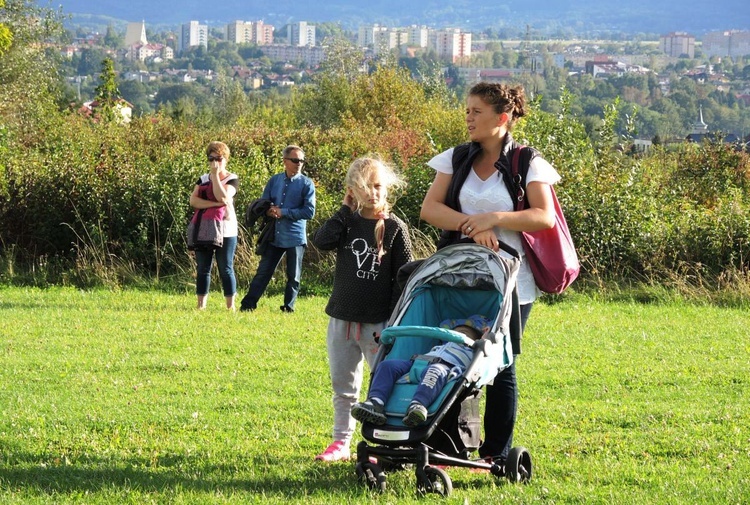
[477, 223]
[487, 238]
[214, 172]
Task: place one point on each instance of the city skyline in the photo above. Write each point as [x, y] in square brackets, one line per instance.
[543, 16]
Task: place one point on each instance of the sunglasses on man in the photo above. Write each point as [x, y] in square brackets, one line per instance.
[296, 161]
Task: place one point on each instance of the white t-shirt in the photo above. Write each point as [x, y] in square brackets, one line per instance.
[478, 196]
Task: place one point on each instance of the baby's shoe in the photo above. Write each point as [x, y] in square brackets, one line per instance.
[416, 414]
[369, 412]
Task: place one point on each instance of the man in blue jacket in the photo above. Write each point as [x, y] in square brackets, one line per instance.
[293, 202]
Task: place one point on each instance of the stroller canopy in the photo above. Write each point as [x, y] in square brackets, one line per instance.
[455, 282]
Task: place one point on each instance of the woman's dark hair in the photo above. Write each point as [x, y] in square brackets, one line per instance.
[502, 98]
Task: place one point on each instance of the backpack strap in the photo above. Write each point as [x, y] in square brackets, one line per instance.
[520, 161]
[518, 177]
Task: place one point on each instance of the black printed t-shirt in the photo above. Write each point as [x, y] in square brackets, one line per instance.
[364, 289]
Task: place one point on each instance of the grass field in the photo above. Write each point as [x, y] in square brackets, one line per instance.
[135, 397]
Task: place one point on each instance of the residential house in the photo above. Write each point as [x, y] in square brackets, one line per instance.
[123, 110]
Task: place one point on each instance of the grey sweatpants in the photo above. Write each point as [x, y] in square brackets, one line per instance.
[350, 344]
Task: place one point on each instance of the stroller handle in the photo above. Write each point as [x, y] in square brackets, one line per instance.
[502, 245]
[390, 334]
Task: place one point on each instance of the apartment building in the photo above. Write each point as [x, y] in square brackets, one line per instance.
[300, 34]
[367, 34]
[678, 44]
[452, 44]
[388, 39]
[418, 35]
[193, 34]
[312, 56]
[250, 32]
[731, 43]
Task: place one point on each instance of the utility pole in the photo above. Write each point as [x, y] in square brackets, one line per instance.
[527, 48]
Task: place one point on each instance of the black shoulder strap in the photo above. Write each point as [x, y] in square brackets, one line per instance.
[519, 167]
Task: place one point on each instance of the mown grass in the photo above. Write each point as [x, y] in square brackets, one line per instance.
[135, 397]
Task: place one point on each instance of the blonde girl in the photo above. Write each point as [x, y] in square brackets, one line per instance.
[371, 244]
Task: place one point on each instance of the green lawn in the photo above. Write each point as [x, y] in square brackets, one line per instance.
[135, 397]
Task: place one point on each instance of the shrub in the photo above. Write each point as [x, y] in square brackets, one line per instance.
[85, 202]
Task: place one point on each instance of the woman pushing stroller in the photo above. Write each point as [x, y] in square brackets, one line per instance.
[469, 199]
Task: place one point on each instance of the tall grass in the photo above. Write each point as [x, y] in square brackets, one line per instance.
[124, 396]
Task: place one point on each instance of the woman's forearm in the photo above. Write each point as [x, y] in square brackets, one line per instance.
[200, 203]
[440, 215]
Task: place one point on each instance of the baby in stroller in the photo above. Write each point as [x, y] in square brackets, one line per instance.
[440, 364]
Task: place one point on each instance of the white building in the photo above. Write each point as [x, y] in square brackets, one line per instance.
[193, 34]
[378, 38]
[418, 35]
[388, 39]
[367, 33]
[300, 34]
[144, 52]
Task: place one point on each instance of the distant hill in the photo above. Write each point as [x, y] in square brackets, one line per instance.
[545, 17]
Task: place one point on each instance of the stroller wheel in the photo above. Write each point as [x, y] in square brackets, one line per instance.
[518, 466]
[372, 475]
[434, 480]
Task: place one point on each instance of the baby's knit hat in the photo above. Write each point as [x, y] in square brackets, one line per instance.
[477, 321]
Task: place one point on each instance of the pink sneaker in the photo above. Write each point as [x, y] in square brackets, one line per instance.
[337, 451]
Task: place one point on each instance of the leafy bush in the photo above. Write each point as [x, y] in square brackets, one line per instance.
[86, 203]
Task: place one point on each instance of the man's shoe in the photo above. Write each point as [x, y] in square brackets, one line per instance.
[369, 412]
[416, 414]
[337, 451]
[286, 308]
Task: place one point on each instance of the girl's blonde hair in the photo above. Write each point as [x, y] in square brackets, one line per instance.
[358, 176]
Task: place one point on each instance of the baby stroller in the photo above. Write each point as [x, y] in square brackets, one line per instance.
[458, 280]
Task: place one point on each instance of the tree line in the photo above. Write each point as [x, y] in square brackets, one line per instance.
[99, 202]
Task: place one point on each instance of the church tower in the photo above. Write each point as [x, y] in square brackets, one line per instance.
[699, 127]
[136, 34]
